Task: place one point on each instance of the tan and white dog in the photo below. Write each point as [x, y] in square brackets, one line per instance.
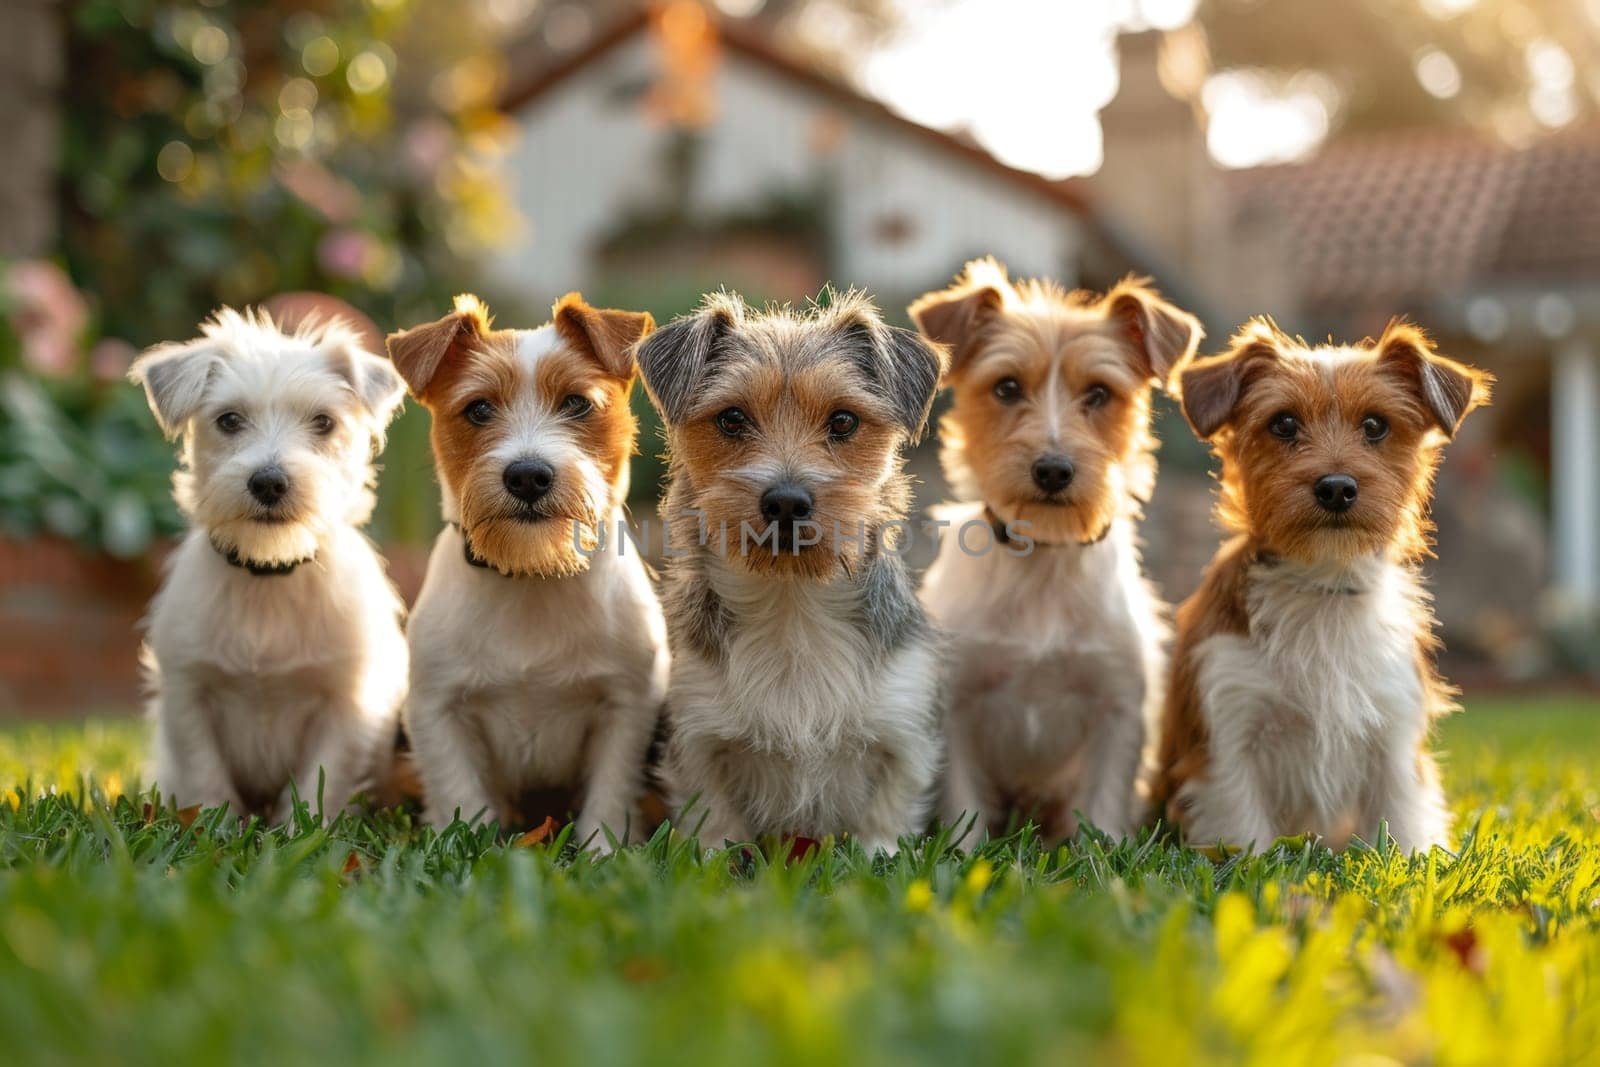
[1056, 635]
[538, 652]
[1303, 688]
[274, 649]
[806, 692]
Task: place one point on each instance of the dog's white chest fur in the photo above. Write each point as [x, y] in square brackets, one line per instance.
[535, 670]
[1054, 652]
[279, 671]
[804, 727]
[1320, 698]
[795, 681]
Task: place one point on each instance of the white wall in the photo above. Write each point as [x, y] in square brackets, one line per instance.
[578, 158]
[1575, 478]
[583, 154]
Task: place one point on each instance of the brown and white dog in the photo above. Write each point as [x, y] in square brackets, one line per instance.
[538, 651]
[1303, 688]
[1057, 664]
[806, 694]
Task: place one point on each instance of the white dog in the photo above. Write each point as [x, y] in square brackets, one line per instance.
[274, 649]
[539, 655]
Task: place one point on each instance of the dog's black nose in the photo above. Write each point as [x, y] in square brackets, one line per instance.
[528, 479]
[786, 505]
[1052, 473]
[1335, 492]
[269, 485]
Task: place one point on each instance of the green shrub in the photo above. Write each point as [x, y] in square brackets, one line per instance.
[221, 153]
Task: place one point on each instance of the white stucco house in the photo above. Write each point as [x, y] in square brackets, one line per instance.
[901, 205]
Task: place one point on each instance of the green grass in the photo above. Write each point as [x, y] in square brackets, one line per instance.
[127, 937]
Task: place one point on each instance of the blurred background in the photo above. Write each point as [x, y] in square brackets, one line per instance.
[1329, 164]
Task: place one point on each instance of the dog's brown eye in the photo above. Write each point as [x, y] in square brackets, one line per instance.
[479, 412]
[322, 424]
[230, 422]
[733, 422]
[576, 407]
[842, 424]
[1284, 426]
[1375, 428]
[1096, 397]
[1008, 390]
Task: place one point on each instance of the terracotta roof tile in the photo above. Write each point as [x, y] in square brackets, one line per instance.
[1414, 215]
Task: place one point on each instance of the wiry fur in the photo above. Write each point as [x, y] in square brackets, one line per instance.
[1303, 687]
[805, 695]
[265, 682]
[1057, 662]
[543, 671]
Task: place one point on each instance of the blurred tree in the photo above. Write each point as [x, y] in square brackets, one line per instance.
[1509, 67]
[221, 152]
[217, 153]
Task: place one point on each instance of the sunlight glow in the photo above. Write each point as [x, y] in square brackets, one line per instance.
[1162, 14]
[1549, 64]
[1030, 99]
[1552, 106]
[1444, 9]
[1438, 74]
[1551, 97]
[1252, 122]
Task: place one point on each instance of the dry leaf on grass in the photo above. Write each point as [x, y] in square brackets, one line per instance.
[539, 834]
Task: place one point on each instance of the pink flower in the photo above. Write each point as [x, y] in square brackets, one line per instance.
[109, 359]
[48, 315]
[49, 355]
[426, 146]
[334, 197]
[343, 253]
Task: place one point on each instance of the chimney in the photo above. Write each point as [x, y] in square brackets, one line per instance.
[1157, 179]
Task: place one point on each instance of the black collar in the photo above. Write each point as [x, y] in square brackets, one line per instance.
[260, 570]
[1001, 537]
[468, 554]
[1004, 538]
[472, 558]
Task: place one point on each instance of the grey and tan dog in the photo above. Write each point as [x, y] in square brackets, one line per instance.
[805, 694]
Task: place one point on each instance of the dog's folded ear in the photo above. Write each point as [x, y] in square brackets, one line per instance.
[1163, 335]
[1448, 390]
[1210, 388]
[175, 377]
[422, 351]
[606, 335]
[905, 368]
[912, 370]
[955, 317]
[372, 378]
[675, 359]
